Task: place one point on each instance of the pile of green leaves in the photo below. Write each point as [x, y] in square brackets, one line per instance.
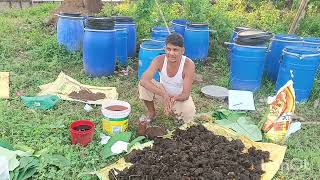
[26, 169]
[239, 122]
[124, 136]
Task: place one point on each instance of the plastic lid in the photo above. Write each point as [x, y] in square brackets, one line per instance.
[122, 18]
[252, 33]
[71, 14]
[100, 23]
[197, 24]
[238, 29]
[214, 91]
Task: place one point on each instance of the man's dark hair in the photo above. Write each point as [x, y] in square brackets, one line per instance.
[175, 39]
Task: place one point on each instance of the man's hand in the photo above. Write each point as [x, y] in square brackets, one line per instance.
[166, 100]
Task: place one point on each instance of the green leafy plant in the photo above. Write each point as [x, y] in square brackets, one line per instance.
[26, 169]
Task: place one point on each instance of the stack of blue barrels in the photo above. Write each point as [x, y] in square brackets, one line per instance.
[196, 42]
[289, 57]
[104, 40]
[247, 56]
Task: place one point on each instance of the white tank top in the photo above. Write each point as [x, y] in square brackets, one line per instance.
[173, 85]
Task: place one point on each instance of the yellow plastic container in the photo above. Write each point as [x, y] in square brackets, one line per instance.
[116, 114]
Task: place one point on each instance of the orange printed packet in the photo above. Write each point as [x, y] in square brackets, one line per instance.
[278, 119]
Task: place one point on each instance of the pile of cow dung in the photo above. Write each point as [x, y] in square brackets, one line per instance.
[195, 153]
[86, 95]
[84, 7]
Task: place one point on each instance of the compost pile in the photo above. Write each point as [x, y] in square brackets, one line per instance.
[84, 7]
[86, 95]
[195, 153]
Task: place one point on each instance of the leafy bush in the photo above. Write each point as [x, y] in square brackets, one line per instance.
[272, 16]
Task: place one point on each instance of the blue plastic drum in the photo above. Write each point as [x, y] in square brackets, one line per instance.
[160, 33]
[130, 25]
[121, 46]
[70, 31]
[278, 43]
[246, 68]
[196, 39]
[299, 64]
[149, 50]
[99, 52]
[179, 25]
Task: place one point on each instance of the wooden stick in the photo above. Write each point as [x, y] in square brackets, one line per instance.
[163, 18]
[298, 17]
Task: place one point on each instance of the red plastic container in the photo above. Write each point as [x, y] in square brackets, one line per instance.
[81, 132]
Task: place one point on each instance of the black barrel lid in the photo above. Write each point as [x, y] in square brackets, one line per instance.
[100, 23]
[197, 24]
[122, 18]
[238, 29]
[253, 34]
[72, 14]
[250, 42]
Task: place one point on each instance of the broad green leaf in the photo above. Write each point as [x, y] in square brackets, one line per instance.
[6, 144]
[136, 140]
[139, 146]
[24, 148]
[28, 173]
[41, 152]
[242, 126]
[124, 136]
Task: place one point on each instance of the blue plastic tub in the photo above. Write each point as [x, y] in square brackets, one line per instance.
[148, 51]
[179, 25]
[234, 35]
[278, 43]
[121, 46]
[196, 40]
[299, 64]
[246, 67]
[70, 31]
[160, 33]
[132, 36]
[311, 42]
[99, 52]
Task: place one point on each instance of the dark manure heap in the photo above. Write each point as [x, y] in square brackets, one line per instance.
[195, 153]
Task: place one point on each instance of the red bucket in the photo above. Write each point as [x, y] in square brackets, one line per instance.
[81, 132]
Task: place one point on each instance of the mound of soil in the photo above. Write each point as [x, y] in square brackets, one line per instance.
[116, 108]
[194, 154]
[86, 95]
[84, 7]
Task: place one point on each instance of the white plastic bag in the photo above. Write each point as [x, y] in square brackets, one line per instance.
[4, 168]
